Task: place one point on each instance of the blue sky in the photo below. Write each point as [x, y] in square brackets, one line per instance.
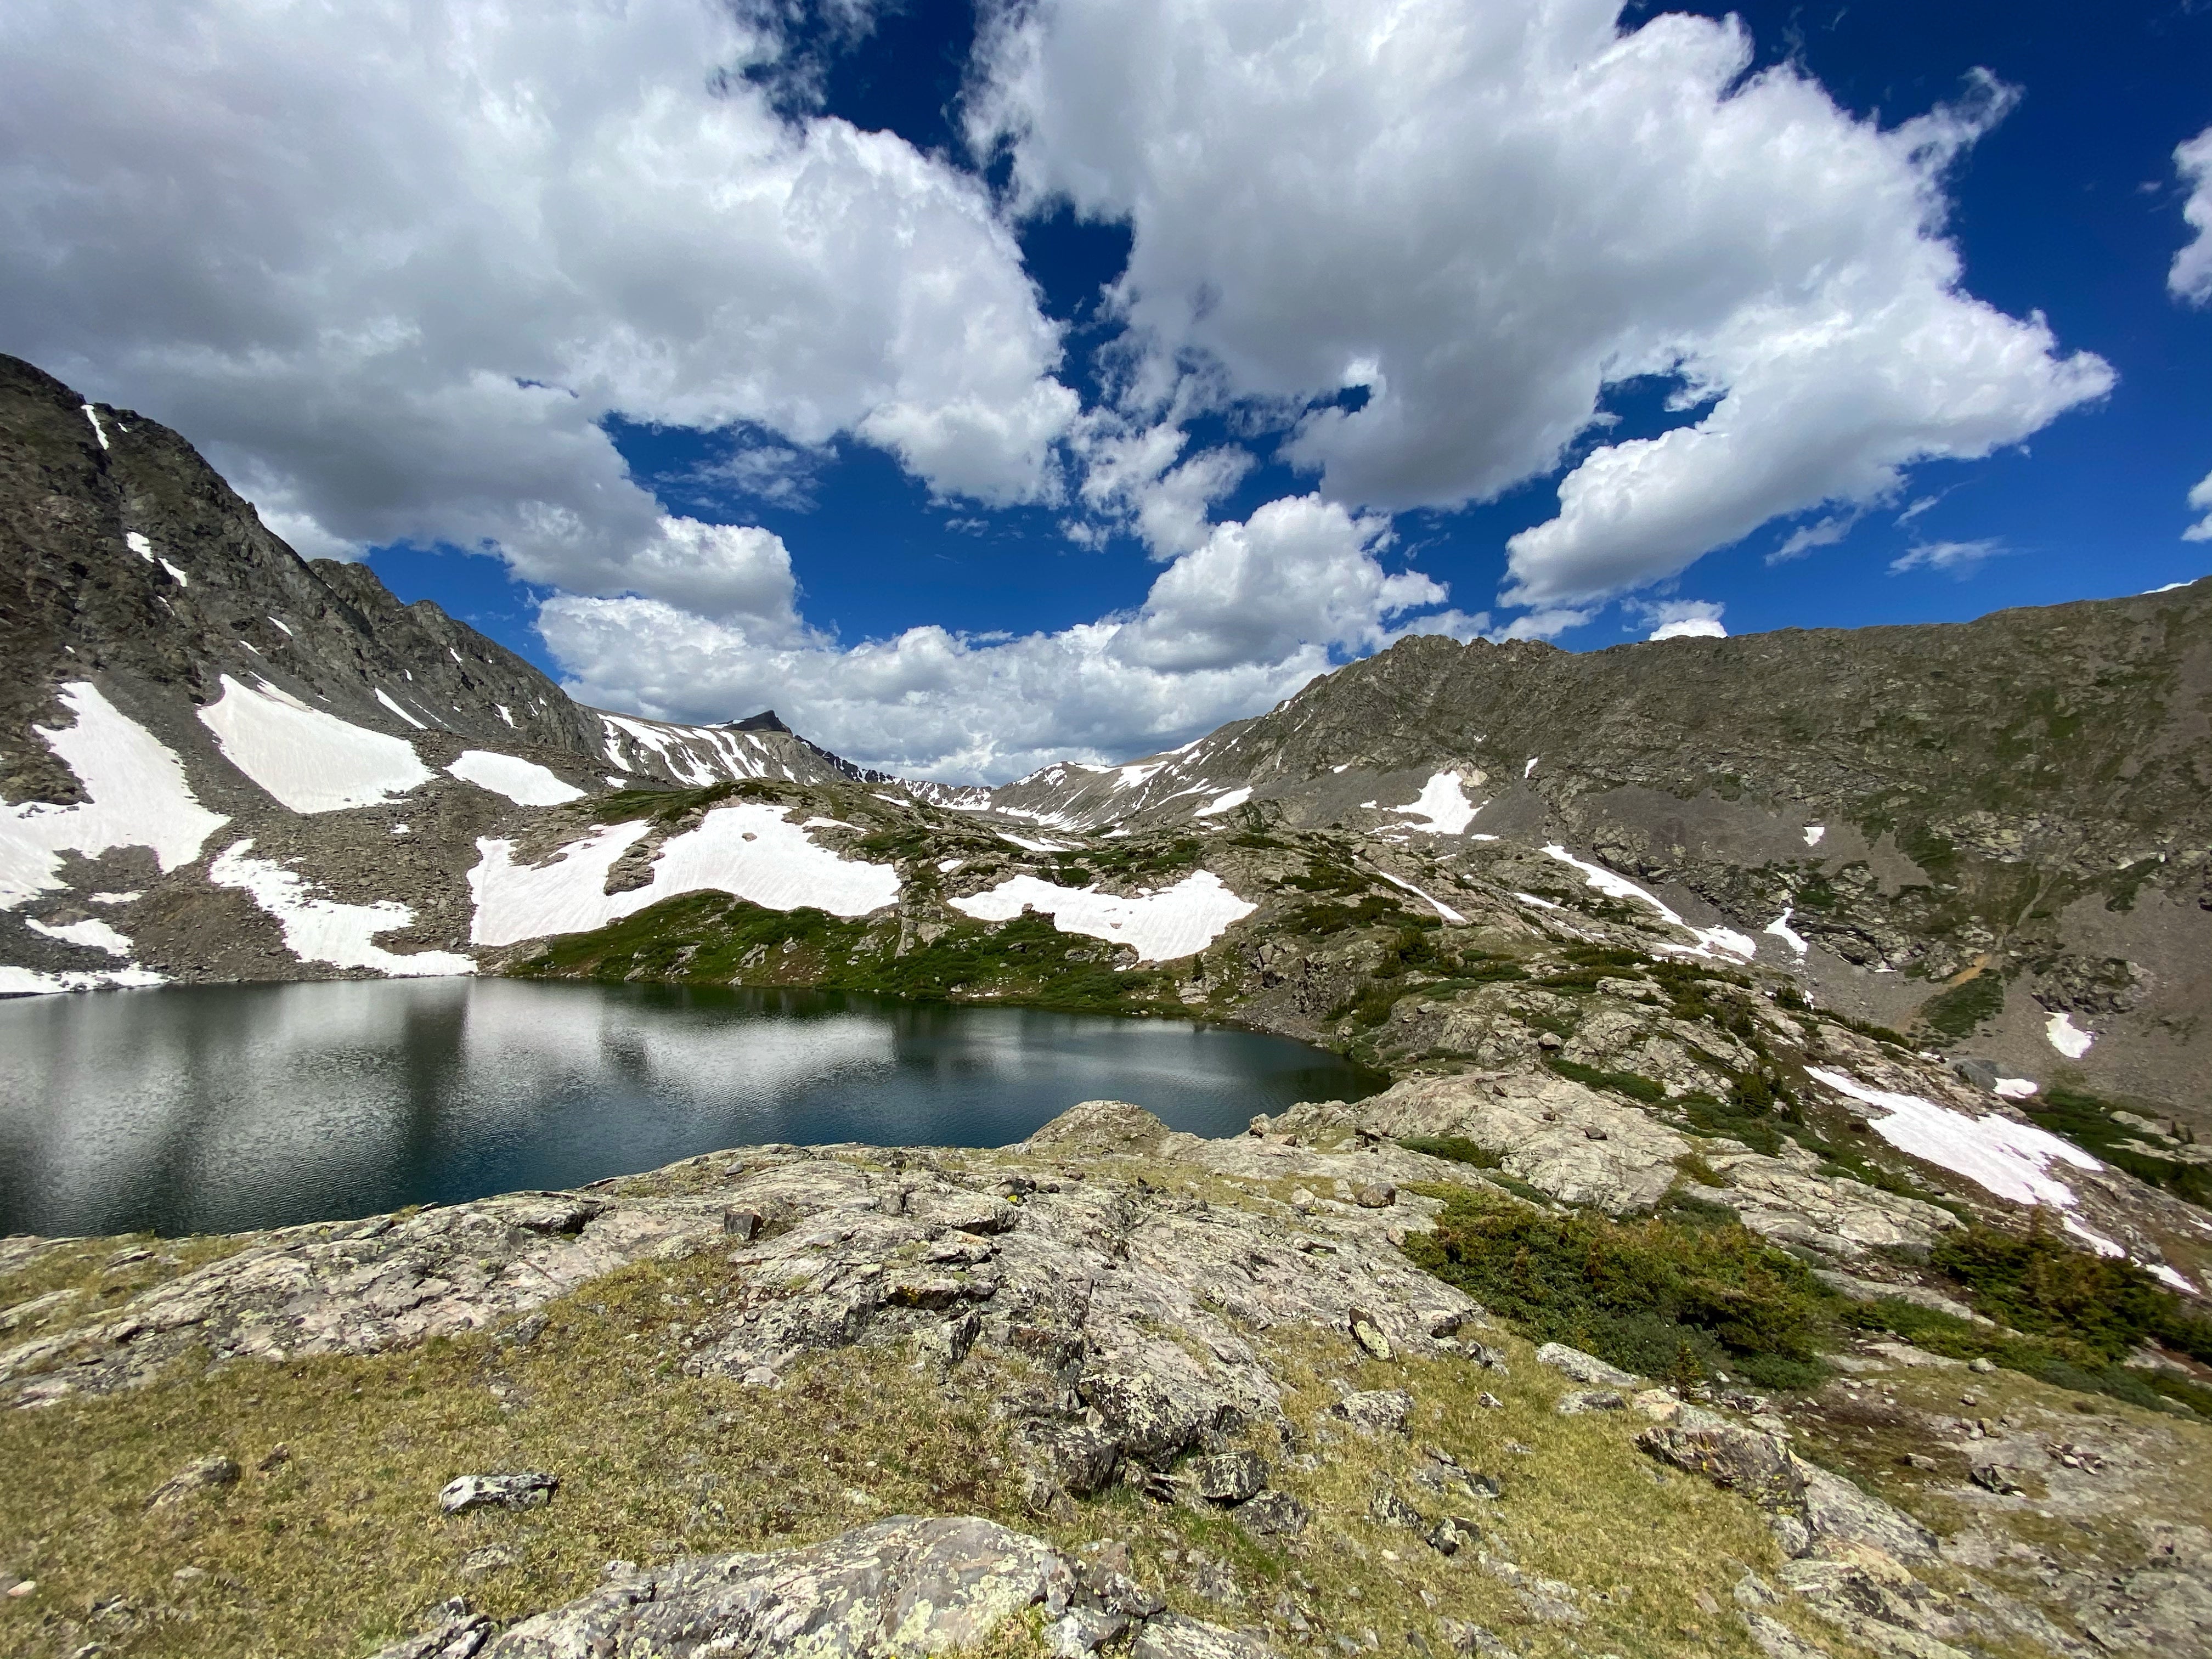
[841, 357]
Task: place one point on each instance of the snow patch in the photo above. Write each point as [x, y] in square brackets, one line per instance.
[1228, 801]
[946, 867]
[93, 415]
[827, 823]
[28, 982]
[1813, 832]
[1175, 921]
[116, 898]
[504, 716]
[309, 761]
[2017, 1088]
[1710, 939]
[183, 580]
[323, 929]
[1346, 767]
[2012, 1160]
[397, 710]
[91, 935]
[1541, 903]
[138, 545]
[2174, 1280]
[1442, 801]
[1434, 902]
[281, 627]
[524, 782]
[1781, 929]
[139, 798]
[1530, 770]
[1029, 846]
[2063, 1035]
[750, 851]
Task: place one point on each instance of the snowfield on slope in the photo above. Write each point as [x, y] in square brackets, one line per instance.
[1443, 805]
[524, 782]
[139, 798]
[1176, 921]
[750, 851]
[309, 761]
[2013, 1160]
[324, 930]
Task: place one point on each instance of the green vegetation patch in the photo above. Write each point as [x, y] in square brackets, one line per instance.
[2036, 1283]
[2087, 1121]
[1963, 1009]
[1676, 1300]
[712, 939]
[1630, 1084]
[1458, 1148]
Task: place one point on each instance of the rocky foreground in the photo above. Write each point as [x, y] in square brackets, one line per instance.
[1113, 1389]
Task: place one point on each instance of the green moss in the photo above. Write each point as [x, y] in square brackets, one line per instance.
[1662, 1296]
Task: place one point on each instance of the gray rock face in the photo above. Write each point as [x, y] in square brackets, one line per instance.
[1584, 1367]
[908, 1587]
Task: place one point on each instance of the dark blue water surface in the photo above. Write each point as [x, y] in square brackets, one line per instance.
[210, 1109]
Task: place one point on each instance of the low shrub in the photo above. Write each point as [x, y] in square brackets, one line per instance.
[1663, 1298]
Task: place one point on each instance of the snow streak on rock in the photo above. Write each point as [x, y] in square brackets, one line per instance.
[311, 761]
[1432, 901]
[1228, 801]
[1710, 939]
[750, 851]
[138, 798]
[1176, 921]
[524, 782]
[323, 929]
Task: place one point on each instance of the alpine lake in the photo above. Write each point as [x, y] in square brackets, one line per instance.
[221, 1108]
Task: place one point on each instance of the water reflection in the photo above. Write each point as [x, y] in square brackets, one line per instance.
[212, 1108]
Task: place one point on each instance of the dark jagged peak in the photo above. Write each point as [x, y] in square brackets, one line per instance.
[766, 721]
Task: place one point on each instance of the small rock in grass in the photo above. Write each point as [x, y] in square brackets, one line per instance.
[1579, 1401]
[743, 1225]
[1379, 1411]
[1392, 1511]
[1370, 1336]
[1489, 1401]
[524, 1491]
[208, 1472]
[1275, 1512]
[1374, 1195]
[22, 1587]
[1983, 1364]
[1992, 1477]
[1452, 1534]
[1230, 1477]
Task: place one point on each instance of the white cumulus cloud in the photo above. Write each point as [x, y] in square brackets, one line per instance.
[1686, 619]
[2200, 500]
[2190, 276]
[391, 265]
[1232, 626]
[1482, 216]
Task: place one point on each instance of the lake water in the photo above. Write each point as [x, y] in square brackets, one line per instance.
[210, 1109]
